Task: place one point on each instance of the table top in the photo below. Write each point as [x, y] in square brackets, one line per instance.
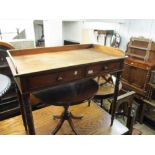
[41, 59]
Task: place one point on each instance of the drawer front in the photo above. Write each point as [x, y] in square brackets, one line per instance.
[46, 80]
[97, 69]
[111, 67]
[50, 79]
[93, 70]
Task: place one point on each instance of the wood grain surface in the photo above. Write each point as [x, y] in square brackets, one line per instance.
[95, 122]
[40, 60]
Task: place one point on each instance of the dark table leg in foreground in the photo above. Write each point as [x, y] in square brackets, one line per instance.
[28, 113]
[21, 108]
[116, 91]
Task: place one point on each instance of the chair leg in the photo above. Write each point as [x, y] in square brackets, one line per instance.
[89, 103]
[58, 126]
[75, 117]
[110, 110]
[130, 123]
[66, 115]
[57, 117]
[72, 125]
[101, 103]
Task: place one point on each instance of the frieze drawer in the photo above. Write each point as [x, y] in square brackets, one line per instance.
[96, 69]
[55, 78]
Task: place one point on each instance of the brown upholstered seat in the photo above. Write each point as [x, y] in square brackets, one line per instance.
[67, 95]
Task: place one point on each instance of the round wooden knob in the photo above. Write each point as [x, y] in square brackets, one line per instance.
[75, 73]
[90, 71]
[60, 78]
[105, 67]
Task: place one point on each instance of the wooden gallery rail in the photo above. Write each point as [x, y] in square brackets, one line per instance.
[38, 68]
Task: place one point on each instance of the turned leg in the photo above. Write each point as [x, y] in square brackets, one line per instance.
[58, 126]
[75, 117]
[116, 91]
[57, 117]
[72, 125]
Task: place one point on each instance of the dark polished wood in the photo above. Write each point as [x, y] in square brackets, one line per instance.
[68, 95]
[116, 91]
[66, 115]
[137, 69]
[22, 108]
[138, 65]
[28, 113]
[70, 42]
[39, 68]
[141, 71]
[96, 121]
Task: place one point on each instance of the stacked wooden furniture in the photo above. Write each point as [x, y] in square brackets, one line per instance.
[138, 65]
[137, 70]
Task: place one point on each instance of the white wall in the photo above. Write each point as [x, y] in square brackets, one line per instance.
[83, 31]
[101, 25]
[8, 29]
[53, 32]
[137, 28]
[29, 29]
[72, 31]
[89, 26]
[127, 28]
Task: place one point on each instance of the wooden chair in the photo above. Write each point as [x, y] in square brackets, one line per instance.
[106, 88]
[124, 100]
[67, 95]
[124, 108]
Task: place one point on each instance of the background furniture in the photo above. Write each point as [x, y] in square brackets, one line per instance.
[69, 63]
[68, 95]
[70, 42]
[106, 88]
[106, 33]
[9, 105]
[124, 100]
[148, 105]
[137, 70]
[138, 65]
[125, 108]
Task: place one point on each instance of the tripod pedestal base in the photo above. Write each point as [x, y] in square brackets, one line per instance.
[66, 115]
